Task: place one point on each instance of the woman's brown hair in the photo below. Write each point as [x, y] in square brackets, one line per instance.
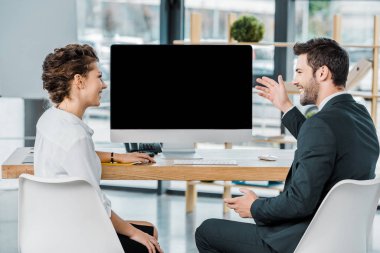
[60, 67]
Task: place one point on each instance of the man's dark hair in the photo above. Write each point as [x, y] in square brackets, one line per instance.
[324, 51]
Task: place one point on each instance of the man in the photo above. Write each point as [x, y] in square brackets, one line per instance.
[339, 142]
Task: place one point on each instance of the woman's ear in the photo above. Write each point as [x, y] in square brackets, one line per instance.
[78, 81]
[323, 73]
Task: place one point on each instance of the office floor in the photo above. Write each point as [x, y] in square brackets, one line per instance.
[176, 229]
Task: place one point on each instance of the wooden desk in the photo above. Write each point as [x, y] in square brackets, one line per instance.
[281, 139]
[249, 168]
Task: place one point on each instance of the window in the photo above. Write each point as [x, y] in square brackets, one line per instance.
[102, 23]
[315, 19]
[214, 25]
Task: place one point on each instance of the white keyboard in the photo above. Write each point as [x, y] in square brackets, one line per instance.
[205, 162]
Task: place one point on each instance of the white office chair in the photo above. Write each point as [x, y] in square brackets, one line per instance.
[63, 215]
[343, 222]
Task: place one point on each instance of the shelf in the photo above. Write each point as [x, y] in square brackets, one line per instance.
[275, 44]
[364, 94]
[360, 46]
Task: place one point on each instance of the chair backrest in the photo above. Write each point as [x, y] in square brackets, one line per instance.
[63, 215]
[343, 221]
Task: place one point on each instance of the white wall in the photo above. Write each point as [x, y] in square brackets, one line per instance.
[29, 30]
[11, 126]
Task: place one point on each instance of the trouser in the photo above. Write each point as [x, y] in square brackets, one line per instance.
[133, 246]
[216, 236]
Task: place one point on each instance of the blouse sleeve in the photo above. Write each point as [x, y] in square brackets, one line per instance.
[82, 161]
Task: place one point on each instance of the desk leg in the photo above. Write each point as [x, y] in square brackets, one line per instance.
[228, 145]
[191, 196]
[227, 184]
[226, 194]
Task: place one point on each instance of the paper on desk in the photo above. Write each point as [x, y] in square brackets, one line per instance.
[121, 164]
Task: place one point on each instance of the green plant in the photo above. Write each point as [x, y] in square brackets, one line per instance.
[311, 111]
[247, 29]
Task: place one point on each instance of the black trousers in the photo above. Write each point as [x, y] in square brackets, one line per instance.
[133, 246]
[217, 236]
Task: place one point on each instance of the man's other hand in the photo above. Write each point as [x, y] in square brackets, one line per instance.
[242, 205]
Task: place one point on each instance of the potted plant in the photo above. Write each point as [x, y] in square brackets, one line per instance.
[247, 29]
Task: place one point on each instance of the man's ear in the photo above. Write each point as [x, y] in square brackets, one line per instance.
[323, 73]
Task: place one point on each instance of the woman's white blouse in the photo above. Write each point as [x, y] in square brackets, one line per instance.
[64, 147]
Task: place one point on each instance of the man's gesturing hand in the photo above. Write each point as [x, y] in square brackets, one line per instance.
[274, 92]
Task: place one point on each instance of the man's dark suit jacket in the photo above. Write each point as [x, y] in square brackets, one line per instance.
[339, 142]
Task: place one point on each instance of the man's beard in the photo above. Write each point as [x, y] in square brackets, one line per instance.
[310, 93]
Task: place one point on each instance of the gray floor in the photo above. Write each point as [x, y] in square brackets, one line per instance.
[176, 229]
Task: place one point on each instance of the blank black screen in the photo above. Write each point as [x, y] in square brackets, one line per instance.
[181, 87]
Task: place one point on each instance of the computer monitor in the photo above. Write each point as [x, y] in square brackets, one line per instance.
[180, 94]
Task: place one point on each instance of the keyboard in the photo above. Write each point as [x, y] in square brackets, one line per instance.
[28, 159]
[205, 162]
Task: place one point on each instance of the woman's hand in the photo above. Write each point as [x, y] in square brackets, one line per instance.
[274, 92]
[147, 240]
[133, 157]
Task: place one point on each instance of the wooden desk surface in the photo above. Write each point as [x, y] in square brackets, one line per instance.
[249, 167]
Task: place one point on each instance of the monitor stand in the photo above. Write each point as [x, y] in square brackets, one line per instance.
[183, 151]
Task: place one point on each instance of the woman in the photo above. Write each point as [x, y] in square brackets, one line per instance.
[64, 145]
